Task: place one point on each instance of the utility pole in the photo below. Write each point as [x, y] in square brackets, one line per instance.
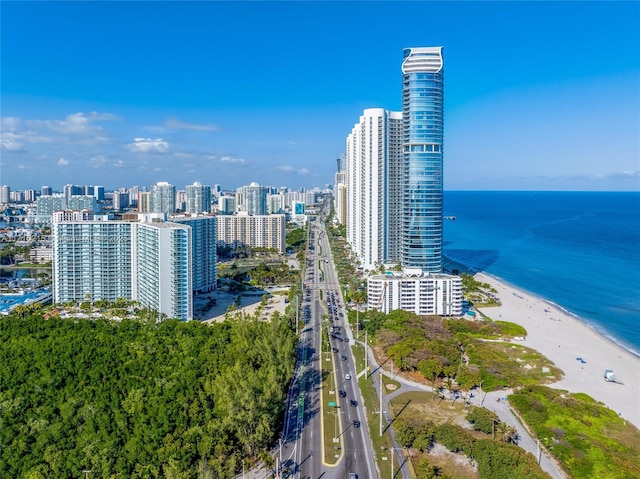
[366, 355]
[380, 403]
[393, 453]
[86, 473]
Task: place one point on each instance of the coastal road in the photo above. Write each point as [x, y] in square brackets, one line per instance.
[303, 451]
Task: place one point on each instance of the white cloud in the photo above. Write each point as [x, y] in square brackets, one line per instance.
[230, 159]
[76, 124]
[291, 169]
[145, 145]
[100, 161]
[10, 141]
[10, 123]
[177, 124]
[24, 167]
[63, 162]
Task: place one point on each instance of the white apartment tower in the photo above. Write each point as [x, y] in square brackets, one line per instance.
[374, 156]
[146, 262]
[198, 198]
[163, 268]
[204, 256]
[92, 260]
[256, 231]
[415, 291]
[162, 198]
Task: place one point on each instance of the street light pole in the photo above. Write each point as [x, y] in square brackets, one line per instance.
[366, 354]
[380, 403]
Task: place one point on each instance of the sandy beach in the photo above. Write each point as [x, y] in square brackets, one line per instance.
[562, 338]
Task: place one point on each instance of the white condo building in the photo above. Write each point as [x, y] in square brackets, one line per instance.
[256, 231]
[163, 268]
[198, 198]
[92, 260]
[252, 199]
[415, 291]
[162, 198]
[374, 159]
[203, 250]
[101, 259]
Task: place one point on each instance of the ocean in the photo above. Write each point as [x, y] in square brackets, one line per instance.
[578, 250]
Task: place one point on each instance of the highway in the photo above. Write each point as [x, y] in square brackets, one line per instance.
[302, 452]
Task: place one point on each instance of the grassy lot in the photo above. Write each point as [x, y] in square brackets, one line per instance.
[589, 439]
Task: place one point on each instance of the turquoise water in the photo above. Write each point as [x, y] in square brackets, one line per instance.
[579, 250]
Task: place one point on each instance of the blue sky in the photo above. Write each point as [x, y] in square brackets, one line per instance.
[538, 95]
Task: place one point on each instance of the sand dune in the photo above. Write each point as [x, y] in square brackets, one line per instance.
[562, 338]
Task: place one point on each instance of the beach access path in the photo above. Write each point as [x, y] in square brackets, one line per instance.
[562, 338]
[492, 401]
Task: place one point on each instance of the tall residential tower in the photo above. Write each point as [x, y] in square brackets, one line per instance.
[422, 143]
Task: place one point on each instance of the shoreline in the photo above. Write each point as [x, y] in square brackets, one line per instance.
[592, 325]
[563, 337]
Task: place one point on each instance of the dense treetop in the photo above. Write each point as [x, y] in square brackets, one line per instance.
[136, 399]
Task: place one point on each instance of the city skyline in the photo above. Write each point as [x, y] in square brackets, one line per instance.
[126, 93]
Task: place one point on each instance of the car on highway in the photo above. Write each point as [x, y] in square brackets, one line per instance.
[356, 423]
[353, 475]
[342, 393]
[343, 357]
[347, 376]
[354, 403]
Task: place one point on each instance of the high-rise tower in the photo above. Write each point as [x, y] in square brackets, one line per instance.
[163, 198]
[422, 148]
[198, 198]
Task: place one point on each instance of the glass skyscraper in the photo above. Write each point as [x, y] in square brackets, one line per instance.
[422, 112]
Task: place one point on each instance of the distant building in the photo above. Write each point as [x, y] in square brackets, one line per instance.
[82, 202]
[198, 198]
[16, 197]
[5, 194]
[71, 190]
[98, 192]
[256, 231]
[226, 205]
[46, 191]
[29, 195]
[415, 291]
[120, 201]
[144, 202]
[163, 198]
[46, 205]
[275, 204]
[252, 199]
[41, 254]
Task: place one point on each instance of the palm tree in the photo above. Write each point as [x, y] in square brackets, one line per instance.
[267, 461]
[359, 296]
